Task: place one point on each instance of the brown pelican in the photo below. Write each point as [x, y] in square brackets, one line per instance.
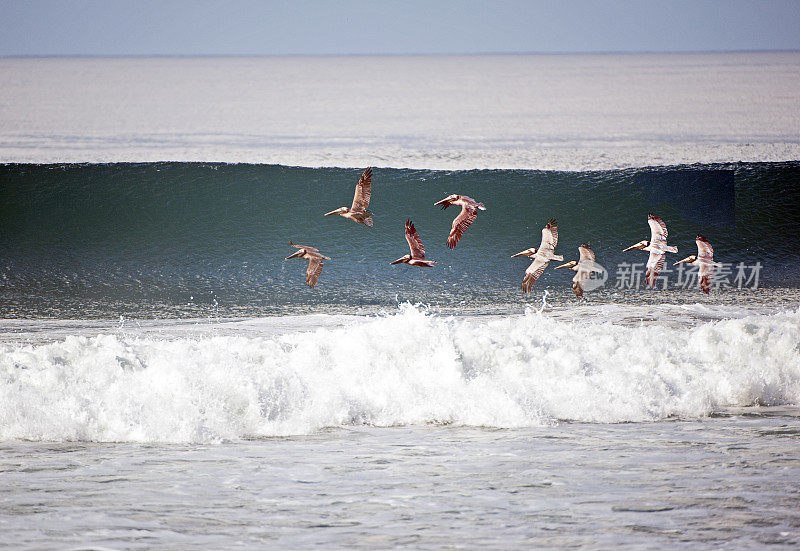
[417, 256]
[358, 210]
[657, 246]
[583, 268]
[704, 262]
[542, 256]
[315, 259]
[469, 211]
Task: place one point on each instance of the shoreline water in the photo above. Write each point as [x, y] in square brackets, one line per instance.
[723, 481]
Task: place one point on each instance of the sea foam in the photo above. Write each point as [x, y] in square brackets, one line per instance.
[407, 368]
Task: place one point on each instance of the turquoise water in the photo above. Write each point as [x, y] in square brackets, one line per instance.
[176, 239]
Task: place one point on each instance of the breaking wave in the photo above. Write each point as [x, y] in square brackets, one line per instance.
[407, 368]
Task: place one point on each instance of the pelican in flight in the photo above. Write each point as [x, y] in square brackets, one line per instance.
[657, 246]
[469, 211]
[583, 268]
[358, 210]
[541, 256]
[704, 262]
[417, 256]
[314, 258]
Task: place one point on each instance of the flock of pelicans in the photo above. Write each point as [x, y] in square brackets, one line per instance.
[584, 267]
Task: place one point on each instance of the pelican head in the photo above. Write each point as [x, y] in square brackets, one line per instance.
[640, 245]
[301, 252]
[340, 210]
[447, 201]
[402, 260]
[526, 252]
[570, 264]
[687, 260]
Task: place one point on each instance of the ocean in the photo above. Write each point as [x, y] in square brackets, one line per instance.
[168, 380]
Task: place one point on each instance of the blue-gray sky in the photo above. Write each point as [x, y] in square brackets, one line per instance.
[252, 27]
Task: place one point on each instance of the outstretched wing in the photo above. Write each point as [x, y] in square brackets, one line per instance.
[306, 247]
[461, 223]
[586, 253]
[658, 229]
[704, 249]
[549, 237]
[363, 191]
[533, 272]
[655, 263]
[414, 242]
[313, 271]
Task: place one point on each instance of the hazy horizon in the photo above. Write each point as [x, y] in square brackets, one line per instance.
[45, 28]
[412, 54]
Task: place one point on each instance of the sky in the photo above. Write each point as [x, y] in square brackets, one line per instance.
[320, 27]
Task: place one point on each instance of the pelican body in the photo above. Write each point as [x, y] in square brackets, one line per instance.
[541, 256]
[469, 211]
[583, 268]
[704, 262]
[417, 256]
[314, 258]
[657, 247]
[358, 211]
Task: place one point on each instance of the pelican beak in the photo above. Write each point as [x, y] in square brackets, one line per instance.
[569, 264]
[521, 253]
[337, 211]
[684, 261]
[637, 246]
[444, 202]
[295, 255]
[398, 261]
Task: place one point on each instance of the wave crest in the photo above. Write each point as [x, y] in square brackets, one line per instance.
[407, 368]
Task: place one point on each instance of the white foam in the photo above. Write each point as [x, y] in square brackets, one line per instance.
[410, 368]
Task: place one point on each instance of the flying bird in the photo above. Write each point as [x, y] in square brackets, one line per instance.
[541, 256]
[657, 246]
[704, 262]
[417, 256]
[358, 211]
[469, 211]
[583, 268]
[314, 258]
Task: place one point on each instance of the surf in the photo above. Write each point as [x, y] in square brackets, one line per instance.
[408, 368]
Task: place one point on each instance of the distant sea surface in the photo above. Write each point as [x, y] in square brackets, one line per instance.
[168, 381]
[547, 112]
